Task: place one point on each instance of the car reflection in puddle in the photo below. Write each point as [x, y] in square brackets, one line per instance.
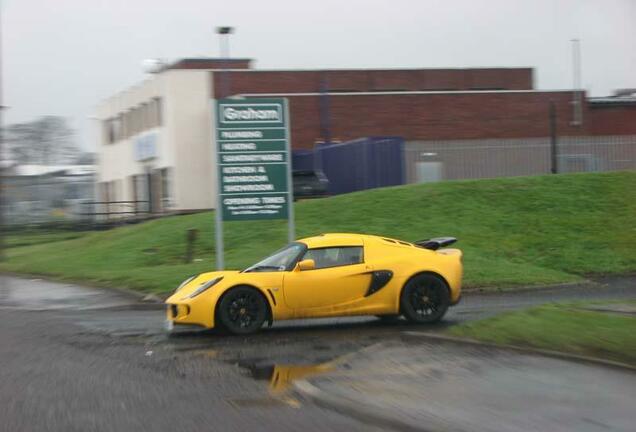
[281, 376]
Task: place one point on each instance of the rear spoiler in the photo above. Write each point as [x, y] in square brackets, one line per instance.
[435, 243]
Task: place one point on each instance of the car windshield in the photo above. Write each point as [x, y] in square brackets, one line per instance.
[280, 260]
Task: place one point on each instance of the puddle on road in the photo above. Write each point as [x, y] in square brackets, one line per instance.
[280, 379]
[256, 403]
[282, 376]
[209, 353]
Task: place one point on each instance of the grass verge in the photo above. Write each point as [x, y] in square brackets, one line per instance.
[566, 328]
[513, 231]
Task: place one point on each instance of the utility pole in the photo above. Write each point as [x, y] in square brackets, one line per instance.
[2, 152]
[554, 157]
[325, 108]
[577, 95]
[224, 50]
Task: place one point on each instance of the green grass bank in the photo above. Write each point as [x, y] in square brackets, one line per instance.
[566, 328]
[514, 231]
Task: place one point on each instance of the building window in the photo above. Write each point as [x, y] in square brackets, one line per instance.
[158, 103]
[135, 121]
[109, 131]
[125, 124]
[118, 126]
[166, 199]
[103, 192]
[146, 116]
[113, 129]
[130, 128]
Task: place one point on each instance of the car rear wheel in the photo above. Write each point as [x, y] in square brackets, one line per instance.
[425, 298]
[242, 310]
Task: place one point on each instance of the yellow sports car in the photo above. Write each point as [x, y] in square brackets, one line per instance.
[325, 276]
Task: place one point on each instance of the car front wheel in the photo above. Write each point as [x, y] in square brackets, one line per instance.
[242, 310]
[425, 298]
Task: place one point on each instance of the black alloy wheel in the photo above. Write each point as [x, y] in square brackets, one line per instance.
[242, 310]
[425, 298]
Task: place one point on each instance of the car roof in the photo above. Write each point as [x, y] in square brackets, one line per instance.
[348, 239]
[333, 239]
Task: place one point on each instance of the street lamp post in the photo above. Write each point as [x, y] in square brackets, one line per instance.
[224, 49]
[554, 156]
[577, 96]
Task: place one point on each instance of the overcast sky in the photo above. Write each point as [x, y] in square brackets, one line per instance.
[61, 57]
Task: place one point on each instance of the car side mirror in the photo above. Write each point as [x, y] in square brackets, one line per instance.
[307, 264]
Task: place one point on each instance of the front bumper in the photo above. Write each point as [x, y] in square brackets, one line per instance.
[177, 312]
[457, 300]
[185, 314]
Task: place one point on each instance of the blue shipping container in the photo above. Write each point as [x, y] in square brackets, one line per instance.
[302, 160]
[364, 163]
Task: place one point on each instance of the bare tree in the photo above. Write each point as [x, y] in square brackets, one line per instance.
[48, 140]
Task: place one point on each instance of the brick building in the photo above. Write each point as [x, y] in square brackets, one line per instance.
[156, 140]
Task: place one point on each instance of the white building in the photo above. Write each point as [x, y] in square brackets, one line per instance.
[155, 140]
[156, 150]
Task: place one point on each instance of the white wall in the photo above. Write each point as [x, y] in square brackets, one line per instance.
[184, 141]
[190, 135]
[116, 161]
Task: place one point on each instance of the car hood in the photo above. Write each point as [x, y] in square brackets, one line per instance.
[199, 280]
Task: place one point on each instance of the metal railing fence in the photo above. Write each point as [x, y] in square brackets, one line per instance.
[472, 159]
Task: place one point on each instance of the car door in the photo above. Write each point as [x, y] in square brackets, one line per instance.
[340, 276]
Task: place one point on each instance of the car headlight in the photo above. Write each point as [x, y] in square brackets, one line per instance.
[185, 282]
[204, 287]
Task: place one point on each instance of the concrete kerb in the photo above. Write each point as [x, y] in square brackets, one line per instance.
[349, 407]
[352, 408]
[143, 301]
[372, 416]
[525, 350]
[484, 291]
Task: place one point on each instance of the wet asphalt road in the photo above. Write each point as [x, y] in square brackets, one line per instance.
[423, 384]
[80, 359]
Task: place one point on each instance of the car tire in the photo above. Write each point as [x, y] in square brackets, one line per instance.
[425, 298]
[242, 310]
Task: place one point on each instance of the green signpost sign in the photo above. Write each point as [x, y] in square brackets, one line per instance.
[253, 158]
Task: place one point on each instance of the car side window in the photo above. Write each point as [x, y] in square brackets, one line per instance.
[335, 256]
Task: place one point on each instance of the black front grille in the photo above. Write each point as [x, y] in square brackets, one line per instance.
[174, 311]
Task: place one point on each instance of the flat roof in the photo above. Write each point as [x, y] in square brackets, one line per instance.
[205, 61]
[405, 92]
[612, 101]
[391, 69]
[213, 59]
[171, 66]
